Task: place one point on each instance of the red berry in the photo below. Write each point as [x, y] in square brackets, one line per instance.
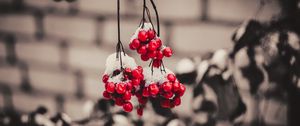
[105, 78]
[176, 86]
[119, 101]
[172, 105]
[177, 101]
[152, 46]
[167, 52]
[142, 50]
[136, 73]
[129, 86]
[143, 36]
[151, 34]
[144, 57]
[181, 90]
[140, 111]
[159, 43]
[153, 89]
[121, 88]
[125, 77]
[140, 69]
[171, 77]
[138, 95]
[127, 96]
[168, 95]
[167, 86]
[127, 107]
[131, 46]
[106, 95]
[156, 63]
[146, 92]
[110, 87]
[127, 70]
[142, 77]
[143, 100]
[135, 43]
[136, 82]
[151, 54]
[165, 103]
[159, 55]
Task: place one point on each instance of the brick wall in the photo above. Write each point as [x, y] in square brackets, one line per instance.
[60, 48]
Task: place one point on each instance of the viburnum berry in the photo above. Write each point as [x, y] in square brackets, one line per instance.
[165, 103]
[127, 70]
[110, 87]
[135, 44]
[140, 111]
[151, 34]
[151, 54]
[145, 92]
[168, 95]
[159, 55]
[142, 35]
[129, 86]
[142, 50]
[136, 73]
[176, 86]
[181, 90]
[158, 42]
[156, 63]
[140, 69]
[171, 77]
[120, 88]
[136, 82]
[127, 107]
[176, 101]
[167, 52]
[106, 95]
[119, 101]
[153, 89]
[127, 96]
[143, 100]
[167, 86]
[152, 45]
[105, 78]
[144, 57]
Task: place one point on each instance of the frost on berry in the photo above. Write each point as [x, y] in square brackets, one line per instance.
[162, 86]
[146, 42]
[121, 83]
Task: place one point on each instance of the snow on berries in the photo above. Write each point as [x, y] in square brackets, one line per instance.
[146, 42]
[121, 84]
[162, 86]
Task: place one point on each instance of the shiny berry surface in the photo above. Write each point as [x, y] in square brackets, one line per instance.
[142, 35]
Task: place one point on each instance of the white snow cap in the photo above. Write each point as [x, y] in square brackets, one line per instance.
[294, 40]
[120, 120]
[220, 58]
[113, 63]
[157, 75]
[201, 69]
[185, 65]
[147, 26]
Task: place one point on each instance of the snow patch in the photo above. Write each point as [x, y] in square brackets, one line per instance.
[185, 65]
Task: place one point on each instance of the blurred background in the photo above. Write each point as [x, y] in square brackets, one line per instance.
[53, 54]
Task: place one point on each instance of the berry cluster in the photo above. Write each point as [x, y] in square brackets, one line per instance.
[122, 90]
[149, 45]
[165, 88]
[121, 84]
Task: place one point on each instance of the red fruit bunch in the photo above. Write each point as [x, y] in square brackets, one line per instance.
[162, 86]
[121, 84]
[146, 42]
